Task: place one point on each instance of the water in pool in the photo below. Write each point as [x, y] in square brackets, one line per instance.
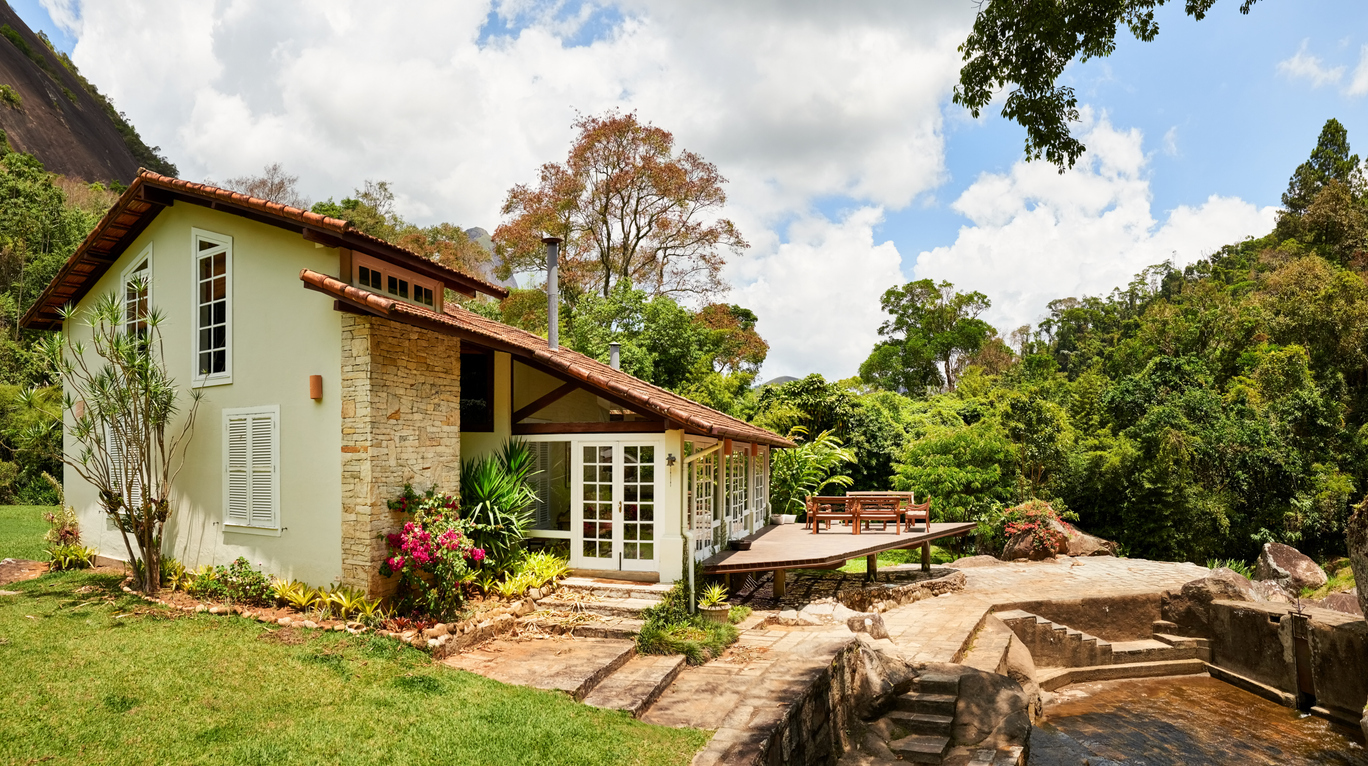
[1186, 721]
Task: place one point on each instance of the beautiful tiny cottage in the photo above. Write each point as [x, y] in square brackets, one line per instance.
[335, 371]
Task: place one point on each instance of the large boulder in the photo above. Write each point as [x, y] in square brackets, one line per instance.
[1072, 542]
[1341, 602]
[1289, 567]
[1357, 534]
[1190, 608]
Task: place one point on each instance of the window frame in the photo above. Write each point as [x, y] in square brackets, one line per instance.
[387, 272]
[145, 256]
[234, 528]
[219, 378]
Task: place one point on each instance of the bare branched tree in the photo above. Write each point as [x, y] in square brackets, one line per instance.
[122, 406]
[273, 184]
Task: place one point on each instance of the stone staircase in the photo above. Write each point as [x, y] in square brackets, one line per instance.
[922, 726]
[1066, 656]
[599, 666]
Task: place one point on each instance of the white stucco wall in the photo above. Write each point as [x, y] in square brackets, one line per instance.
[281, 334]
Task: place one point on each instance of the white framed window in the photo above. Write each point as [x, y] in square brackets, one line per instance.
[251, 470]
[212, 259]
[383, 277]
[137, 292]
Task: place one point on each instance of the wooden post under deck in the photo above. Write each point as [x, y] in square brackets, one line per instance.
[872, 566]
[926, 557]
[779, 589]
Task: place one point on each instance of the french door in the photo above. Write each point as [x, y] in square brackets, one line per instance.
[615, 506]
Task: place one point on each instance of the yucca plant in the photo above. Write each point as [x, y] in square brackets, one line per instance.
[497, 499]
[712, 596]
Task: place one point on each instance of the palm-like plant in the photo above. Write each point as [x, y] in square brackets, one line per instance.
[497, 499]
[807, 469]
[123, 430]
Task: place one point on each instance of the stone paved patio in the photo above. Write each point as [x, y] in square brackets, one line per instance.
[745, 694]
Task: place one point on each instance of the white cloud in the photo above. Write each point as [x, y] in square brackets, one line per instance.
[1307, 67]
[1037, 235]
[1171, 141]
[817, 295]
[1358, 85]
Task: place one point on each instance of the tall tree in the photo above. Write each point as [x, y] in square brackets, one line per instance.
[931, 324]
[273, 184]
[1027, 45]
[629, 207]
[1329, 161]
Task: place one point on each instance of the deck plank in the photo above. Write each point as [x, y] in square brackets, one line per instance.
[794, 546]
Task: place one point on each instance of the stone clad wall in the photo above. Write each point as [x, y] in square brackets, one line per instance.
[401, 423]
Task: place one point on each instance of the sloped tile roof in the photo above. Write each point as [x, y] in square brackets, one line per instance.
[151, 192]
[694, 417]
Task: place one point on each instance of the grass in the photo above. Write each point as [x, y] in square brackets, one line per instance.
[96, 676]
[1341, 579]
[1234, 565]
[939, 555]
[21, 532]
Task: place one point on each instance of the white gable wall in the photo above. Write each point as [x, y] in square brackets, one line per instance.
[281, 334]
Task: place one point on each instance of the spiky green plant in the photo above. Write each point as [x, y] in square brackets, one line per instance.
[497, 499]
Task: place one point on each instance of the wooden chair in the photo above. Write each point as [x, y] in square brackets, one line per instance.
[913, 512]
[828, 509]
[882, 508]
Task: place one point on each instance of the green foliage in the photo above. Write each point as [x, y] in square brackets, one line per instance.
[12, 34]
[1023, 48]
[497, 500]
[10, 97]
[806, 470]
[930, 330]
[1235, 565]
[713, 595]
[669, 628]
[71, 556]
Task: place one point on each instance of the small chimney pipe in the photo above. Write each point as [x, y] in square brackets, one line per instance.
[615, 355]
[552, 292]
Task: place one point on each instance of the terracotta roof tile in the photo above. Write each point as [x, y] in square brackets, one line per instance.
[134, 210]
[694, 416]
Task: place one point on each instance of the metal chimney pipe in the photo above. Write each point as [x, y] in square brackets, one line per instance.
[552, 292]
[615, 355]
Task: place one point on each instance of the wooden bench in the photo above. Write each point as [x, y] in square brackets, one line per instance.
[828, 509]
[881, 508]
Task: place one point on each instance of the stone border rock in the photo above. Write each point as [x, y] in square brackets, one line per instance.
[877, 597]
[441, 640]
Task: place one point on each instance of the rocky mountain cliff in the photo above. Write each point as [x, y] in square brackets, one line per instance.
[49, 110]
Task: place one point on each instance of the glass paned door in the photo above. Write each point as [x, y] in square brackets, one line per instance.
[617, 506]
[598, 506]
[638, 507]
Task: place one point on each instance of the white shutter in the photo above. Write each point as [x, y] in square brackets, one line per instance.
[115, 448]
[238, 457]
[541, 452]
[251, 465]
[263, 470]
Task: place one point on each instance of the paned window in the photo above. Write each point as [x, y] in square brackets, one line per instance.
[251, 467]
[388, 279]
[213, 307]
[137, 294]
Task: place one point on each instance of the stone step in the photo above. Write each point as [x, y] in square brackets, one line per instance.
[985, 756]
[1051, 679]
[602, 588]
[606, 606]
[931, 683]
[1183, 642]
[636, 685]
[920, 748]
[1164, 626]
[574, 666]
[604, 627]
[921, 723]
[929, 704]
[1149, 650]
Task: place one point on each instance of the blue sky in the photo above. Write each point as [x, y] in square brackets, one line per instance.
[850, 170]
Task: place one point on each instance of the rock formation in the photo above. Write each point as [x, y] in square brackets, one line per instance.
[1358, 551]
[1289, 567]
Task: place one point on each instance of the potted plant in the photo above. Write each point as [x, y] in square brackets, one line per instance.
[739, 545]
[713, 603]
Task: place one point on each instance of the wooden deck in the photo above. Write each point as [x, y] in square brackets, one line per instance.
[794, 546]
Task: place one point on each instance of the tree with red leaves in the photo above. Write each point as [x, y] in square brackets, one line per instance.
[628, 207]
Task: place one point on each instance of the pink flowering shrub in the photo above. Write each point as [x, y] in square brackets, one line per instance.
[432, 554]
[1034, 516]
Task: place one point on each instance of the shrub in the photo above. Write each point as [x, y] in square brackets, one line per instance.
[10, 97]
[497, 500]
[1239, 567]
[1033, 516]
[243, 584]
[65, 528]
[203, 583]
[668, 628]
[433, 554]
[71, 556]
[807, 470]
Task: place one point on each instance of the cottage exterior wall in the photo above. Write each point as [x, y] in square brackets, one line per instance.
[401, 424]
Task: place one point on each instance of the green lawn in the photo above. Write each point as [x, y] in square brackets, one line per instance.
[101, 677]
[899, 556]
[21, 531]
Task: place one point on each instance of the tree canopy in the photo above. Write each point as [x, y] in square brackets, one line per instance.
[1025, 46]
[932, 330]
